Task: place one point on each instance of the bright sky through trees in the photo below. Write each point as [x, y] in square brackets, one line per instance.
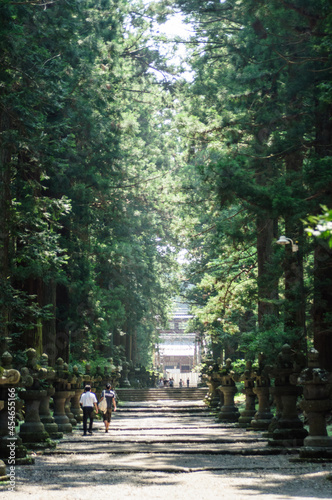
[175, 29]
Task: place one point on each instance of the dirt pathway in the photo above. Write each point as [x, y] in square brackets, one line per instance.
[172, 451]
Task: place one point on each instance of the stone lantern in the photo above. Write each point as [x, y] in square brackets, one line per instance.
[228, 412]
[71, 393]
[32, 431]
[98, 380]
[88, 378]
[107, 377]
[263, 416]
[211, 376]
[134, 374]
[46, 417]
[143, 375]
[116, 376]
[112, 373]
[317, 404]
[76, 386]
[124, 375]
[9, 380]
[248, 379]
[62, 392]
[288, 428]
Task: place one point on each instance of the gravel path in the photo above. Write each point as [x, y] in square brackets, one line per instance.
[154, 454]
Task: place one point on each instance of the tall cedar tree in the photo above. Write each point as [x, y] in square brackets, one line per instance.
[79, 227]
[262, 74]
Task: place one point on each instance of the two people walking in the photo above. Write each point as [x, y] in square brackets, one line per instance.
[89, 403]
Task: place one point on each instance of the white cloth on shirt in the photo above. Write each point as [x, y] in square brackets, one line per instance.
[88, 398]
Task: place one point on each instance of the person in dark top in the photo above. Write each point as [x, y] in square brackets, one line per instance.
[109, 395]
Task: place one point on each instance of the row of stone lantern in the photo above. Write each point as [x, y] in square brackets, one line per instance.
[137, 376]
[35, 384]
[291, 381]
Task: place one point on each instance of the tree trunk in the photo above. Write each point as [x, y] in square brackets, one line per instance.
[294, 287]
[33, 337]
[62, 327]
[267, 282]
[294, 293]
[5, 202]
[49, 328]
[322, 309]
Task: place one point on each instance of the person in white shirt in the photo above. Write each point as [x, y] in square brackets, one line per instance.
[88, 401]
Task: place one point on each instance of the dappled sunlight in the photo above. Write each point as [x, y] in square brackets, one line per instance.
[282, 485]
[153, 454]
[240, 485]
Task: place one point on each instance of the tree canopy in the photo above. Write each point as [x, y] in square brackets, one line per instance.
[112, 159]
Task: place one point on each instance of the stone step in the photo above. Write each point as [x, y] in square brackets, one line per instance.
[144, 412]
[167, 393]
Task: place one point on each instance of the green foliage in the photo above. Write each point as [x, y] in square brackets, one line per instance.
[84, 143]
[269, 342]
[254, 160]
[109, 165]
[321, 225]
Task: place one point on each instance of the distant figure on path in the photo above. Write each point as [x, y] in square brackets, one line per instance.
[181, 382]
[88, 401]
[188, 382]
[110, 399]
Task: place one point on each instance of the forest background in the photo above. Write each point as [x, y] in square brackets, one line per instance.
[117, 157]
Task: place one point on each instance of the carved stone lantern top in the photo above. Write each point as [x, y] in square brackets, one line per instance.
[213, 371]
[98, 376]
[8, 376]
[77, 378]
[62, 375]
[313, 358]
[313, 374]
[87, 377]
[284, 359]
[69, 375]
[247, 376]
[6, 360]
[50, 372]
[26, 379]
[59, 368]
[261, 373]
[227, 373]
[33, 370]
[112, 366]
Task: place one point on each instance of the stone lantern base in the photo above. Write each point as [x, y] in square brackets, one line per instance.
[316, 405]
[289, 436]
[32, 431]
[21, 453]
[228, 412]
[246, 418]
[317, 447]
[51, 427]
[60, 417]
[249, 412]
[263, 416]
[3, 473]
